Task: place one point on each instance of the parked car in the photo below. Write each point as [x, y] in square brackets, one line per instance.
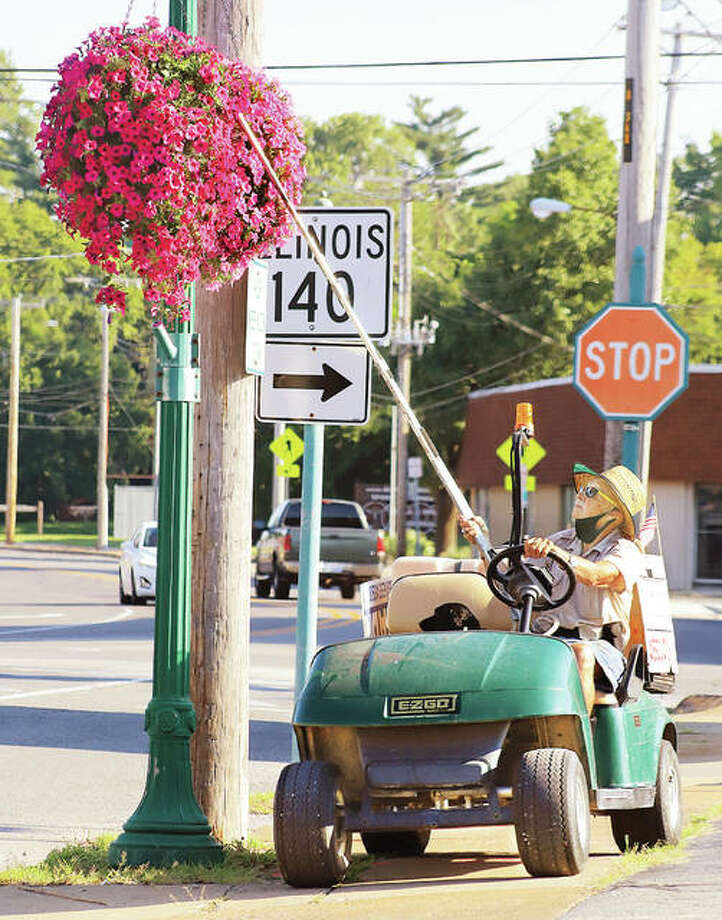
[136, 573]
[351, 551]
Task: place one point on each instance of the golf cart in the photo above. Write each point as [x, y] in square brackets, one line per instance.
[453, 713]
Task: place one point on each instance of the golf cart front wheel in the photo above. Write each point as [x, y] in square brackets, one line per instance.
[312, 845]
[662, 823]
[551, 812]
[395, 843]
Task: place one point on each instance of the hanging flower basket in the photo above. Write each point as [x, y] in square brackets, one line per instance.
[142, 141]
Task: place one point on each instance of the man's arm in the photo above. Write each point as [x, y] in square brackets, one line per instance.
[602, 574]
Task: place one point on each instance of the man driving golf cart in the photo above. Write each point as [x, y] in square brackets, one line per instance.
[606, 560]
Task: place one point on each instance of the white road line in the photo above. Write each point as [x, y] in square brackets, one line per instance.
[36, 629]
[39, 616]
[94, 686]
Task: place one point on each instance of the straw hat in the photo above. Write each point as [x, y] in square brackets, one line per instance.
[620, 484]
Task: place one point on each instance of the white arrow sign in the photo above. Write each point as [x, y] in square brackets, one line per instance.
[358, 247]
[314, 383]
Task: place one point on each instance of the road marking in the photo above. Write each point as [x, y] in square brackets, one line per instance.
[36, 629]
[58, 690]
[39, 616]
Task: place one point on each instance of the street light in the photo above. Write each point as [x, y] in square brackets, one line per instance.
[542, 208]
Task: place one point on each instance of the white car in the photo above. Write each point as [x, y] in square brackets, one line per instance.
[136, 573]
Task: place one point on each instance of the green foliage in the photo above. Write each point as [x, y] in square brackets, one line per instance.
[19, 169]
[698, 176]
[60, 339]
[86, 863]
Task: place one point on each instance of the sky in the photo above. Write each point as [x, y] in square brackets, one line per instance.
[511, 105]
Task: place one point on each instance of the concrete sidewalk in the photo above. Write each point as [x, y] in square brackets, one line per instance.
[479, 869]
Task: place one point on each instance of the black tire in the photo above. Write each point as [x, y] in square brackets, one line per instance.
[660, 824]
[122, 596]
[307, 803]
[134, 599]
[281, 585]
[348, 590]
[263, 587]
[551, 812]
[396, 843]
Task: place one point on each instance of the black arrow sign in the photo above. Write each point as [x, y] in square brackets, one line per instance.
[330, 381]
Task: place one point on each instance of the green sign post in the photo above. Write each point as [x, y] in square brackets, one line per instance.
[169, 825]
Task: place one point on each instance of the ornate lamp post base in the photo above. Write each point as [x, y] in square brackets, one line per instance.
[168, 826]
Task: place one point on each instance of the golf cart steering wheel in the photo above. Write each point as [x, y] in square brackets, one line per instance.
[524, 580]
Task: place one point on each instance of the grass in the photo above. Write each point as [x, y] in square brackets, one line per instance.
[75, 533]
[634, 861]
[86, 863]
[261, 803]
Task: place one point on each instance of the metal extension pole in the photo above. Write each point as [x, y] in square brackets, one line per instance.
[427, 445]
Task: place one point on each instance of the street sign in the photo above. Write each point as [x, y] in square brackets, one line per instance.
[357, 243]
[631, 361]
[256, 285]
[531, 455]
[415, 467]
[288, 447]
[303, 382]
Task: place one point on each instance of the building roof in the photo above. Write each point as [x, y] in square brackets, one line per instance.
[686, 437]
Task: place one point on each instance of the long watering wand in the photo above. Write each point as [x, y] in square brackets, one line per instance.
[427, 445]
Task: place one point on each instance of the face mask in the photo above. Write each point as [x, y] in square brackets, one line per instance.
[589, 528]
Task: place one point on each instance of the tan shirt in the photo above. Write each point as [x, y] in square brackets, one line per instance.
[590, 608]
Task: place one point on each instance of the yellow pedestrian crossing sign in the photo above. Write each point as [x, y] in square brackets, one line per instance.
[288, 447]
[531, 455]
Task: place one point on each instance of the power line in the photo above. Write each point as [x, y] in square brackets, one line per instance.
[375, 65]
[72, 255]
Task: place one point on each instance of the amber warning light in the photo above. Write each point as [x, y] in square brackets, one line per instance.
[524, 418]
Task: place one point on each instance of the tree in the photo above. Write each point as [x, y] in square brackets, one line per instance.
[59, 363]
[698, 176]
[19, 169]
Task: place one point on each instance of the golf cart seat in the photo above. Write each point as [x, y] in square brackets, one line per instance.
[418, 565]
[415, 600]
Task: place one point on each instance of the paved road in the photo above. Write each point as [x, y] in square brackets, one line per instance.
[686, 891]
[75, 678]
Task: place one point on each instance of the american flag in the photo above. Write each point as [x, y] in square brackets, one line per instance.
[648, 530]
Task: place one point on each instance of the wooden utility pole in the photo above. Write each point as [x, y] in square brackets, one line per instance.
[661, 211]
[222, 508]
[101, 490]
[11, 472]
[635, 212]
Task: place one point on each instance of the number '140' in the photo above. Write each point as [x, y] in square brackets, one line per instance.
[304, 297]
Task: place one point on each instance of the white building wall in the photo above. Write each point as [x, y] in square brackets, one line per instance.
[131, 506]
[675, 509]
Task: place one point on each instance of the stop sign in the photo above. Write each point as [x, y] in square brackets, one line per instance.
[630, 361]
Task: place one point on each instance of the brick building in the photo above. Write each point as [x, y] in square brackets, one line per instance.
[685, 465]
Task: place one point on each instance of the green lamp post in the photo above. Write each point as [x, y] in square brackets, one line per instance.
[168, 825]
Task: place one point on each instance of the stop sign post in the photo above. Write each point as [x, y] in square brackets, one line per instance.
[630, 362]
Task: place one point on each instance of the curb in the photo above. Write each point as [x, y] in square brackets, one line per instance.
[62, 548]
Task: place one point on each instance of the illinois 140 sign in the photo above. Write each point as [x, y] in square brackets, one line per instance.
[357, 243]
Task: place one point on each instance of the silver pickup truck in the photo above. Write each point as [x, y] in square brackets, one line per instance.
[351, 551]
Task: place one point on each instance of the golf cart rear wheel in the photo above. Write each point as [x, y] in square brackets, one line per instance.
[348, 589]
[551, 812]
[662, 823]
[263, 587]
[312, 845]
[395, 843]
